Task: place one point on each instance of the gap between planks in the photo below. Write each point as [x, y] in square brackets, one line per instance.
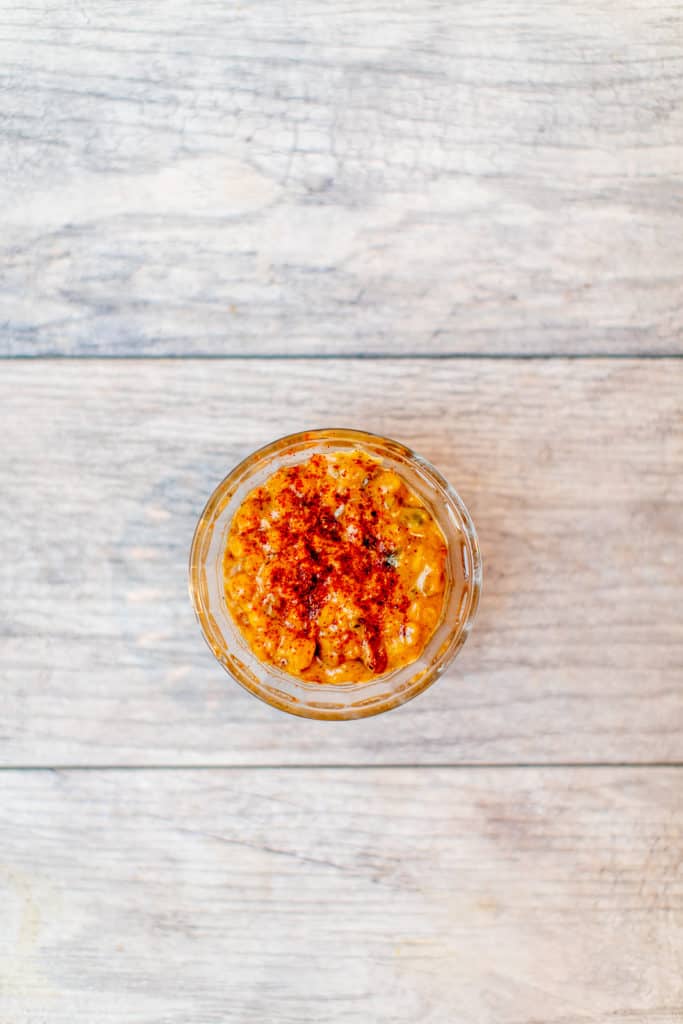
[461, 766]
[270, 357]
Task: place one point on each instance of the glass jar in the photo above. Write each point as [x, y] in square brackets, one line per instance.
[338, 700]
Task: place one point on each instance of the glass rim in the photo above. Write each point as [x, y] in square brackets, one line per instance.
[270, 692]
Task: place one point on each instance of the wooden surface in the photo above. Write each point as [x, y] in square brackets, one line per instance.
[459, 189]
[573, 472]
[387, 895]
[182, 177]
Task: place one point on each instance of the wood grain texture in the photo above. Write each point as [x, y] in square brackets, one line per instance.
[571, 469]
[265, 177]
[496, 897]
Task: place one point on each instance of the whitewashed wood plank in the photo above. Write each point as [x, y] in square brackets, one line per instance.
[572, 471]
[182, 177]
[392, 896]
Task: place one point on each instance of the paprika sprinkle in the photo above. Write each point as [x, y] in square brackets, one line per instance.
[335, 570]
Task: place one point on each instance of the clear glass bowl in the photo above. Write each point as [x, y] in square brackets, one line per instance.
[339, 700]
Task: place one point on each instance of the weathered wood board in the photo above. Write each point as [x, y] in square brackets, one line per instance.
[386, 895]
[181, 178]
[572, 471]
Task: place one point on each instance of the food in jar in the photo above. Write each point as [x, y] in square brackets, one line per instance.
[335, 569]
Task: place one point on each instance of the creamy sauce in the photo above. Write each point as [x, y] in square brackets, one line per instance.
[335, 570]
